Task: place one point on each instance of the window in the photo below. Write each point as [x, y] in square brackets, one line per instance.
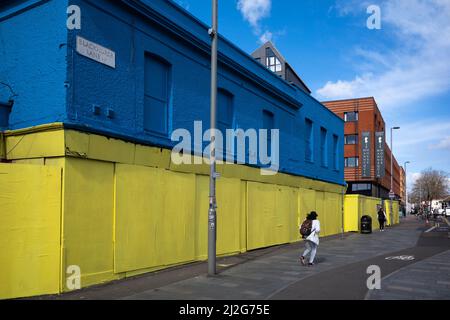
[157, 77]
[351, 116]
[336, 152]
[272, 61]
[225, 111]
[309, 141]
[351, 139]
[225, 117]
[352, 162]
[323, 147]
[361, 187]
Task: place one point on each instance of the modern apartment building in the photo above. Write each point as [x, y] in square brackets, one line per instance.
[367, 156]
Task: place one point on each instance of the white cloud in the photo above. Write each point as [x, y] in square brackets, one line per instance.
[426, 132]
[442, 145]
[414, 177]
[417, 68]
[266, 36]
[341, 88]
[254, 11]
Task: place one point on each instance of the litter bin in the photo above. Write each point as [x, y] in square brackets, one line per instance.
[366, 224]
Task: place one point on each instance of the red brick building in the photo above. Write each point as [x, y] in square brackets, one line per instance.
[402, 186]
[363, 116]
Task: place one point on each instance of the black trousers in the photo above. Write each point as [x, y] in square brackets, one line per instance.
[381, 222]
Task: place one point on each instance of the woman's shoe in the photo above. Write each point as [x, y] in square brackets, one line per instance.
[302, 260]
[310, 264]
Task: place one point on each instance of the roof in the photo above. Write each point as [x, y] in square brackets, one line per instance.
[278, 53]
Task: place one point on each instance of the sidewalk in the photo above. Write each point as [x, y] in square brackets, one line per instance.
[275, 273]
[426, 280]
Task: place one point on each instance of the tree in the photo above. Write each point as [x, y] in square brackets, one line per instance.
[431, 185]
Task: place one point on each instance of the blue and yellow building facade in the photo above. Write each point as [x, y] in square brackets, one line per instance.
[86, 177]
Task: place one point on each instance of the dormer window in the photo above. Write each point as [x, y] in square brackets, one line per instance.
[272, 61]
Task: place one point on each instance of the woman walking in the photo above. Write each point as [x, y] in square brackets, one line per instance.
[312, 238]
[381, 218]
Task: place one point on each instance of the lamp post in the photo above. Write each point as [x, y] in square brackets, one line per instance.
[391, 193]
[212, 214]
[406, 186]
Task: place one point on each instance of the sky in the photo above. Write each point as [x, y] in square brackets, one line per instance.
[404, 65]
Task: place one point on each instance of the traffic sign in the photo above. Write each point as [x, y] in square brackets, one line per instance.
[391, 195]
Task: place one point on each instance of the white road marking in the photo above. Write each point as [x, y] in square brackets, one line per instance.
[431, 229]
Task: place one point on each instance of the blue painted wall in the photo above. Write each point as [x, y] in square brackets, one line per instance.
[32, 62]
[165, 30]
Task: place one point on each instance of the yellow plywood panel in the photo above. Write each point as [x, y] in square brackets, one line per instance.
[395, 212]
[272, 213]
[371, 206]
[242, 172]
[287, 203]
[333, 214]
[29, 230]
[195, 164]
[229, 216]
[109, 149]
[154, 218]
[201, 217]
[35, 145]
[2, 146]
[357, 206]
[320, 209]
[243, 222]
[152, 157]
[351, 213]
[307, 203]
[77, 143]
[88, 220]
[37, 161]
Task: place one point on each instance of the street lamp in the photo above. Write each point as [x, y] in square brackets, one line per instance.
[391, 193]
[406, 186]
[212, 213]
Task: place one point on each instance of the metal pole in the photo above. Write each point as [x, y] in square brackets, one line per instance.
[212, 214]
[406, 187]
[392, 162]
[392, 177]
[342, 214]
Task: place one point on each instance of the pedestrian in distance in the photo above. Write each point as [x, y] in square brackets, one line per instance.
[381, 218]
[310, 231]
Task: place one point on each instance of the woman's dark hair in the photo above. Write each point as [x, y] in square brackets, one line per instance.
[312, 216]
